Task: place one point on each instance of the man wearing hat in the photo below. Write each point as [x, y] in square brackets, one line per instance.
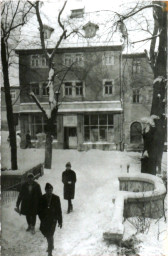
[69, 180]
[29, 197]
[50, 213]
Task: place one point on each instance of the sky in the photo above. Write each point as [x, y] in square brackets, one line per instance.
[52, 7]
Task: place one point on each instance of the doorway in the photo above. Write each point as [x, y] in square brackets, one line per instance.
[70, 137]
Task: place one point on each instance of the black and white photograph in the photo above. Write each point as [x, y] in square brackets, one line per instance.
[84, 128]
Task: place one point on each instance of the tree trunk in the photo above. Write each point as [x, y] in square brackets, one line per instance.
[155, 138]
[10, 119]
[48, 151]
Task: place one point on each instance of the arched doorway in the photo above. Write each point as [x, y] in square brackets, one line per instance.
[136, 133]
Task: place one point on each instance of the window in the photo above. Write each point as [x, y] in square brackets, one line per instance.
[35, 88]
[47, 31]
[136, 66]
[90, 29]
[68, 88]
[38, 125]
[73, 88]
[136, 95]
[136, 133]
[79, 88]
[98, 127]
[13, 95]
[38, 61]
[77, 13]
[108, 87]
[45, 89]
[77, 59]
[43, 61]
[108, 58]
[35, 60]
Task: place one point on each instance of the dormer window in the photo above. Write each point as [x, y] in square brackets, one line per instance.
[90, 29]
[77, 13]
[47, 31]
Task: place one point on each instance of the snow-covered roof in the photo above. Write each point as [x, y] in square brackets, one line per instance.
[101, 14]
[30, 35]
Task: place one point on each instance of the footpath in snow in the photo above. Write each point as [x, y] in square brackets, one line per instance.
[82, 232]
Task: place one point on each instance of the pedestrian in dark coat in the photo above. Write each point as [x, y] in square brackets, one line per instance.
[69, 180]
[50, 213]
[29, 197]
[28, 140]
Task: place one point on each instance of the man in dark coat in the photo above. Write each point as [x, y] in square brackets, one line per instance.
[69, 180]
[28, 140]
[29, 197]
[50, 213]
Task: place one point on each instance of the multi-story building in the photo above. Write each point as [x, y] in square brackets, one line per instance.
[104, 94]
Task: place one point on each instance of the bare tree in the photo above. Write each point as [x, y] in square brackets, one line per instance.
[155, 136]
[53, 98]
[13, 17]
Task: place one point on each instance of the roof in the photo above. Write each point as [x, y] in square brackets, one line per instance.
[106, 35]
[77, 107]
[30, 35]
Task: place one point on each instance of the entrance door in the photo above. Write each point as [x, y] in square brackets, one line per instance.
[70, 137]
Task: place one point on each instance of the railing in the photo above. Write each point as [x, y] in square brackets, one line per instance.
[11, 184]
[9, 196]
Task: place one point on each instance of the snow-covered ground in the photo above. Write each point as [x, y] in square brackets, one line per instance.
[82, 232]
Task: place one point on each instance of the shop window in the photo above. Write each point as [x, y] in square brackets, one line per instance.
[136, 66]
[98, 128]
[136, 133]
[136, 96]
[39, 125]
[108, 87]
[108, 58]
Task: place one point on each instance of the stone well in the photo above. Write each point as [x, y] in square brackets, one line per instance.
[141, 195]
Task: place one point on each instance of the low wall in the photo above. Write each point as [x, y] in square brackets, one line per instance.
[12, 180]
[141, 195]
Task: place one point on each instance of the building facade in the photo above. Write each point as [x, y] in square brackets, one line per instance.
[104, 92]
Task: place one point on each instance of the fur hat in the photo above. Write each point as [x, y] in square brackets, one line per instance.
[68, 164]
[48, 186]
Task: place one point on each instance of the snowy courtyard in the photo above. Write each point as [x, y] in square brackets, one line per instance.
[82, 231]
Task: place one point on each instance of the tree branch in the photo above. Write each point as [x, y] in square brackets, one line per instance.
[38, 103]
[58, 43]
[14, 15]
[146, 39]
[144, 7]
[59, 16]
[41, 30]
[65, 75]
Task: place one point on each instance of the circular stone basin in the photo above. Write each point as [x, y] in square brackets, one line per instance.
[141, 195]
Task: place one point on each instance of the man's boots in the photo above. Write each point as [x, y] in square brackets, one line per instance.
[71, 207]
[29, 228]
[32, 230]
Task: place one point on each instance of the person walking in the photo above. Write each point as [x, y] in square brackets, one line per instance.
[49, 213]
[28, 140]
[29, 197]
[69, 180]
